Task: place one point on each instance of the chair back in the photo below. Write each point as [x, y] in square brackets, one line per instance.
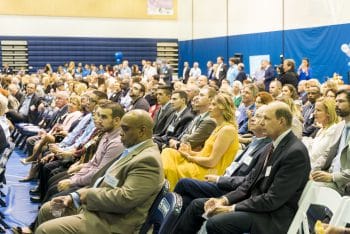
[342, 216]
[314, 193]
[150, 220]
[169, 211]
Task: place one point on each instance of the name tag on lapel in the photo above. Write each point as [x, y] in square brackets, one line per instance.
[268, 171]
[247, 160]
[111, 181]
[171, 128]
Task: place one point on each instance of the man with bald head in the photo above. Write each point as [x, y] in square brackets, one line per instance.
[267, 200]
[120, 194]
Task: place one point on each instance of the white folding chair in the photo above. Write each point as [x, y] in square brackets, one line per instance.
[314, 193]
[342, 215]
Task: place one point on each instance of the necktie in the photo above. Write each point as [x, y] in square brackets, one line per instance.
[268, 157]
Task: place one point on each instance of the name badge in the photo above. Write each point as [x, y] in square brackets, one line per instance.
[111, 181]
[247, 160]
[171, 128]
[268, 171]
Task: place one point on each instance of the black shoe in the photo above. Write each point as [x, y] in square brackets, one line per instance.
[35, 199]
[34, 191]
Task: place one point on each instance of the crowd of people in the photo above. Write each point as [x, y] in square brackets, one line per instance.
[238, 149]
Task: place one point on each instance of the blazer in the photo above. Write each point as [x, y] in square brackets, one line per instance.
[222, 72]
[179, 126]
[289, 77]
[343, 177]
[271, 192]
[197, 133]
[57, 117]
[139, 177]
[160, 119]
[186, 74]
[140, 103]
[269, 76]
[32, 114]
[231, 183]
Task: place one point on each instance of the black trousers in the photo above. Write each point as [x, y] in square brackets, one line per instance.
[191, 189]
[231, 222]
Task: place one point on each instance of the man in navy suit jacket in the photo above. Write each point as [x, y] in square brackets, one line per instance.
[267, 200]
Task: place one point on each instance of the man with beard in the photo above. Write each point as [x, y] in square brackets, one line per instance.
[137, 92]
[336, 171]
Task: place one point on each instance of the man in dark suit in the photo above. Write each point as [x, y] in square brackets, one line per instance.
[269, 73]
[116, 95]
[137, 92]
[178, 120]
[267, 200]
[221, 70]
[186, 72]
[313, 93]
[162, 115]
[217, 186]
[28, 109]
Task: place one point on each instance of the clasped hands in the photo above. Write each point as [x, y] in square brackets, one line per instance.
[216, 206]
[185, 150]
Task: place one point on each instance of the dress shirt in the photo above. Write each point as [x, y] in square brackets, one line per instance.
[109, 147]
[336, 167]
[244, 158]
[232, 74]
[71, 137]
[5, 126]
[195, 72]
[24, 110]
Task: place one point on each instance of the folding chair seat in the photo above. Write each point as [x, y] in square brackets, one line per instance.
[342, 215]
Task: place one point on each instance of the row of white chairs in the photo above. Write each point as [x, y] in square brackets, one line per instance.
[318, 194]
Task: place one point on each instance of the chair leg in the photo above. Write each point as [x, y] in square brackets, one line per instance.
[2, 203]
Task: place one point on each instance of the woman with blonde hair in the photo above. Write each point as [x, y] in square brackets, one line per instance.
[218, 152]
[330, 131]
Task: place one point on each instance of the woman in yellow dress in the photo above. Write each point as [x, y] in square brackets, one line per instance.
[218, 152]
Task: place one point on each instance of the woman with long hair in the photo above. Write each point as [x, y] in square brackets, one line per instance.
[218, 152]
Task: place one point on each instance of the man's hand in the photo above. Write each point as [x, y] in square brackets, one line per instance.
[47, 158]
[64, 185]
[74, 168]
[321, 176]
[219, 210]
[82, 193]
[212, 203]
[67, 200]
[211, 178]
[66, 154]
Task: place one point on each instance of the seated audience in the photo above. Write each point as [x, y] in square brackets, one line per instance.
[247, 107]
[335, 171]
[166, 109]
[28, 109]
[121, 193]
[313, 93]
[215, 185]
[177, 121]
[328, 134]
[267, 200]
[200, 128]
[218, 151]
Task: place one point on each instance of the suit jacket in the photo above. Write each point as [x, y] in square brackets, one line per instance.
[308, 115]
[32, 114]
[239, 175]
[186, 74]
[160, 119]
[179, 126]
[222, 72]
[197, 133]
[116, 96]
[271, 192]
[289, 77]
[57, 117]
[343, 177]
[139, 178]
[269, 76]
[140, 103]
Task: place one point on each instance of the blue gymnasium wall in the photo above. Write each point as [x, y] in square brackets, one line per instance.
[59, 50]
[322, 45]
